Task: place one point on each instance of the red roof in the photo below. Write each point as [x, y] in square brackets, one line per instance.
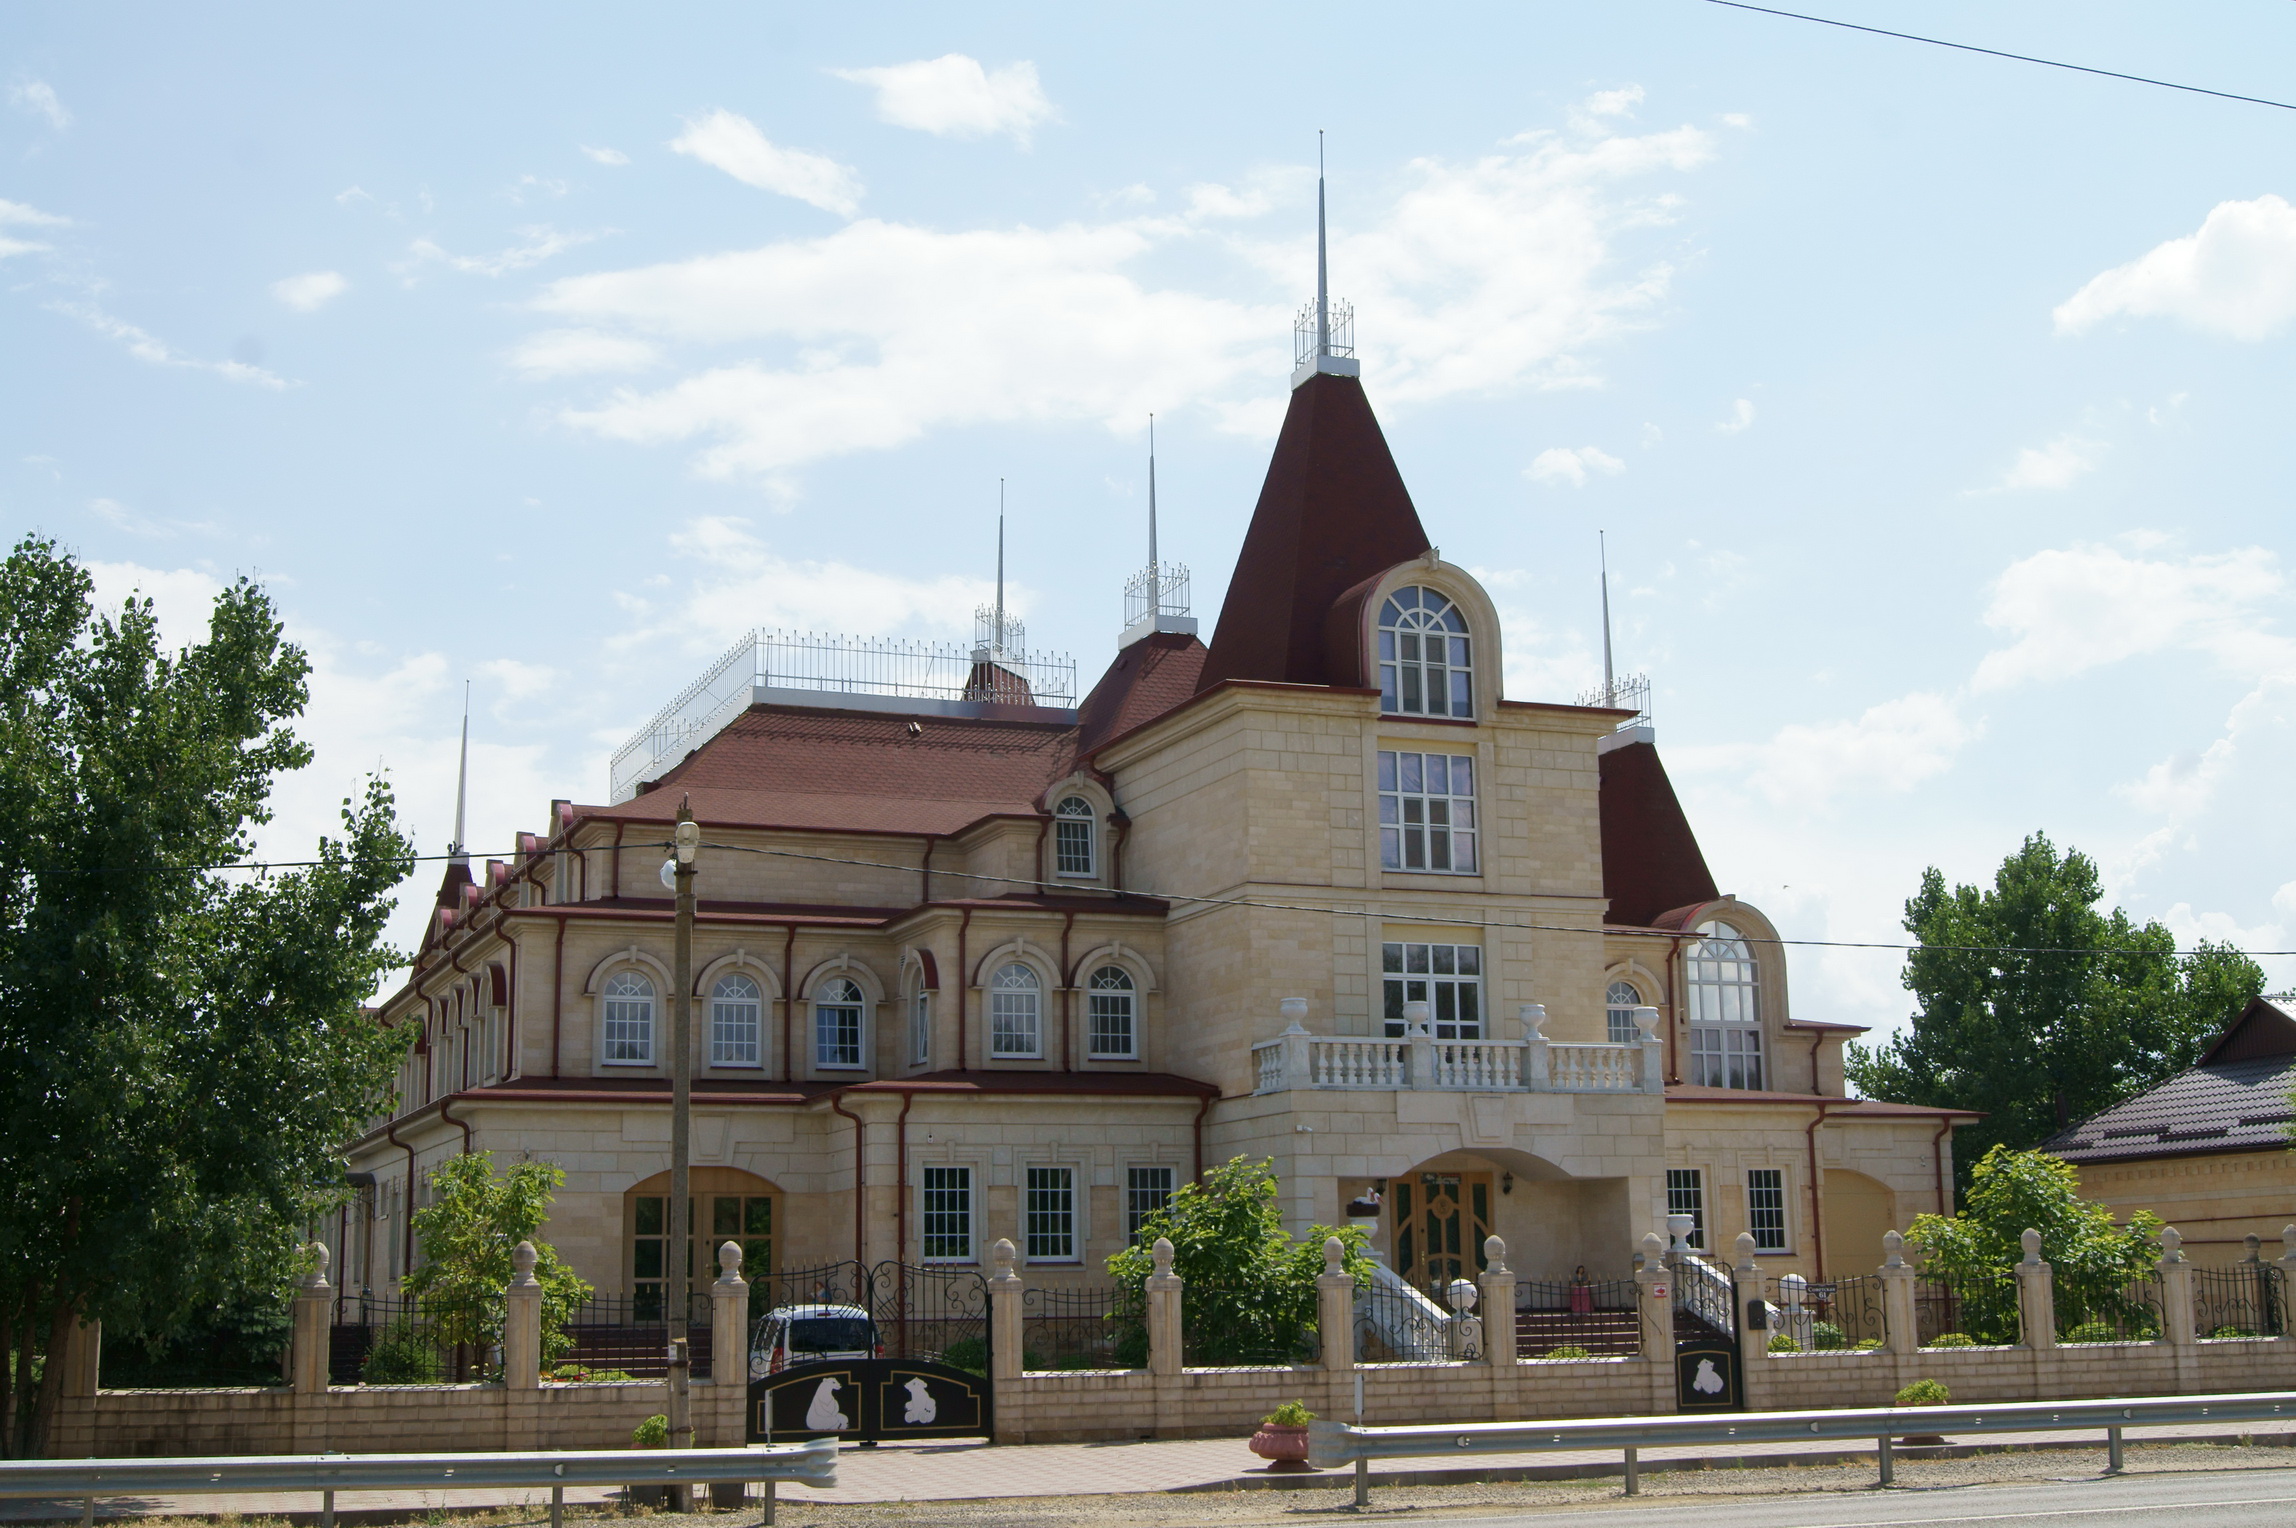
[1147, 679]
[1650, 859]
[1333, 512]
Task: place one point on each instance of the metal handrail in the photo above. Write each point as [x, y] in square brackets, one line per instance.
[1336, 1443]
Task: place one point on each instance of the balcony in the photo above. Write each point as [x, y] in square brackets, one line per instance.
[1419, 1062]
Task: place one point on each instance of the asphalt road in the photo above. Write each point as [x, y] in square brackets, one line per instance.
[2235, 1499]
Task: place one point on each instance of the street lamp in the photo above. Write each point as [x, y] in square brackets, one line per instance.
[686, 841]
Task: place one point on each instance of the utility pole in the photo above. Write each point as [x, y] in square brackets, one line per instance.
[679, 1274]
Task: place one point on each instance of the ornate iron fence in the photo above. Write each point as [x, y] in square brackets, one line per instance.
[628, 1335]
[390, 1339]
[2246, 1300]
[930, 1311]
[1395, 1323]
[1081, 1328]
[1222, 1328]
[1577, 1318]
[2128, 1312]
[1965, 1309]
[1840, 1314]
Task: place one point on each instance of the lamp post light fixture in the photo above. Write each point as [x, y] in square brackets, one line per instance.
[686, 843]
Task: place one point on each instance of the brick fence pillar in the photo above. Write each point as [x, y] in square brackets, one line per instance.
[2287, 1262]
[2178, 1327]
[1901, 1327]
[729, 1347]
[2036, 1297]
[314, 1310]
[1499, 1347]
[522, 1322]
[1005, 1357]
[1654, 1287]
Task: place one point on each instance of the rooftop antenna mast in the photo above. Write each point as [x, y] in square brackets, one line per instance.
[1322, 261]
[456, 851]
[1609, 680]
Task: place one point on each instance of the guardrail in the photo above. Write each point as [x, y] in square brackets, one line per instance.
[1335, 1443]
[813, 1464]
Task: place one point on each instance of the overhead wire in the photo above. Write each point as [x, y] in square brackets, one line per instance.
[2022, 58]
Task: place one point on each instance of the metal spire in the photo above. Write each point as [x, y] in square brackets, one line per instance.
[1151, 493]
[456, 850]
[1609, 681]
[1322, 271]
[999, 638]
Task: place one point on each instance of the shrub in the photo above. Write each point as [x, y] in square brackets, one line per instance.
[2092, 1331]
[1825, 1336]
[1783, 1342]
[1952, 1340]
[970, 1353]
[402, 1355]
[654, 1432]
[2232, 1331]
[1569, 1350]
[1289, 1414]
[1867, 1344]
[1924, 1392]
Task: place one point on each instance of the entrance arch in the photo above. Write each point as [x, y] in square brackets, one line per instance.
[728, 1205]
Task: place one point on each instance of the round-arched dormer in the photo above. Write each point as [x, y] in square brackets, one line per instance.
[1426, 636]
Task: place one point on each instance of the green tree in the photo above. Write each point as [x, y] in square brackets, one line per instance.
[2093, 1259]
[1249, 1287]
[2038, 1009]
[467, 1233]
[182, 1051]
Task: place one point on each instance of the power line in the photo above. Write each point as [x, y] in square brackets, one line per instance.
[1385, 916]
[2022, 58]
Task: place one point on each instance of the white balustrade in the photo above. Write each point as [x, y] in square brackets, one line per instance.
[1269, 1054]
[1298, 1060]
[1479, 1065]
[1356, 1064]
[1574, 1068]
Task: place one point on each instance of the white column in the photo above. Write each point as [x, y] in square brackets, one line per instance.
[314, 1305]
[1164, 1295]
[1653, 1051]
[2036, 1296]
[522, 1322]
[2176, 1315]
[1899, 1324]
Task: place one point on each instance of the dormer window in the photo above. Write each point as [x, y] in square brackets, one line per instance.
[1072, 845]
[1424, 660]
[1725, 1009]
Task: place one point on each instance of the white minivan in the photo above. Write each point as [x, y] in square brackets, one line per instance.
[803, 1334]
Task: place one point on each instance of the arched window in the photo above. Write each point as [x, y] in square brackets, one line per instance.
[920, 1027]
[629, 1019]
[1115, 1034]
[735, 1005]
[837, 1006]
[1725, 1011]
[1619, 1004]
[1072, 837]
[1016, 1012]
[1424, 662]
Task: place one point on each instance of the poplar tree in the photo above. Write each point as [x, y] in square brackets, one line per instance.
[2039, 1009]
[183, 1051]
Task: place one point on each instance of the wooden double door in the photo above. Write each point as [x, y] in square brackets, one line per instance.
[1441, 1221]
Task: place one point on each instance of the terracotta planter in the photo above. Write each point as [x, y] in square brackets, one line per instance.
[1285, 1448]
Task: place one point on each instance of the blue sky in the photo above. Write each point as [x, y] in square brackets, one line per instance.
[1934, 405]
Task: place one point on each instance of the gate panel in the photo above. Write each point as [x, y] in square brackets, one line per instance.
[869, 1399]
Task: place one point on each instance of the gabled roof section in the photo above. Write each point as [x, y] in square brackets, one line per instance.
[858, 771]
[1332, 513]
[2236, 1099]
[1651, 862]
[2263, 1029]
[1147, 679]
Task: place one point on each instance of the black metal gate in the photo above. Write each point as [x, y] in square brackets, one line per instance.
[922, 1312]
[868, 1399]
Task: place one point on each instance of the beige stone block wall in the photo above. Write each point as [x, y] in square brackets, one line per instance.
[2216, 1201]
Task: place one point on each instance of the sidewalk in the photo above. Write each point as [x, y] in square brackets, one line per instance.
[960, 1471]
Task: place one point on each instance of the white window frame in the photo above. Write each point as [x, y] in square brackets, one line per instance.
[1723, 981]
[1095, 996]
[921, 1026]
[827, 1000]
[1779, 1237]
[1439, 983]
[638, 1049]
[1066, 1227]
[732, 1016]
[1617, 1011]
[1416, 822]
[1408, 618]
[1075, 839]
[1006, 1014]
[1135, 1188]
[961, 1183]
[1686, 1195]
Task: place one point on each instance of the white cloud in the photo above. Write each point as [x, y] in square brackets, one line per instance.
[311, 291]
[1571, 464]
[1741, 415]
[955, 97]
[117, 515]
[37, 98]
[733, 144]
[2236, 276]
[519, 681]
[1890, 748]
[2055, 465]
[154, 351]
[1485, 277]
[2076, 608]
[582, 352]
[182, 599]
[542, 242]
[1614, 103]
[17, 214]
[605, 156]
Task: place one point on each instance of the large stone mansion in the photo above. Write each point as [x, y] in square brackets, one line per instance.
[1319, 893]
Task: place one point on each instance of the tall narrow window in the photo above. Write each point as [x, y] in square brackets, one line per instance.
[1427, 811]
[1146, 1190]
[837, 1023]
[948, 1204]
[1725, 1013]
[920, 1027]
[629, 1019]
[1766, 1208]
[1111, 996]
[1686, 1195]
[1016, 1018]
[1051, 1215]
[735, 1005]
[1618, 1005]
[1072, 839]
[1448, 978]
[1424, 667]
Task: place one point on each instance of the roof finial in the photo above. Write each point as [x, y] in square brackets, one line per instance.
[1322, 262]
[1323, 336]
[1151, 490]
[457, 851]
[1156, 597]
[1000, 567]
[1609, 680]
